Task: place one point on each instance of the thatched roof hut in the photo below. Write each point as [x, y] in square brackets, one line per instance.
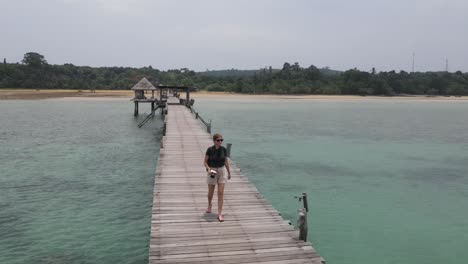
[144, 85]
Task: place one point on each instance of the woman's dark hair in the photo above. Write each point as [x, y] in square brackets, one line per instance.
[216, 136]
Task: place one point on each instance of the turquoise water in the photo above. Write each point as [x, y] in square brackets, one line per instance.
[76, 182]
[386, 179]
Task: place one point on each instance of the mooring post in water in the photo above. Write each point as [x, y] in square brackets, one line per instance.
[136, 109]
[228, 148]
[196, 115]
[302, 217]
[208, 128]
[304, 199]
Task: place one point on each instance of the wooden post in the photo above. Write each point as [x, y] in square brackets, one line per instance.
[164, 129]
[302, 223]
[136, 109]
[304, 199]
[152, 107]
[208, 128]
[196, 115]
[188, 96]
[228, 148]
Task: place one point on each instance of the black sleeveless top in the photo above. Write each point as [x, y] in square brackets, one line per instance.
[216, 157]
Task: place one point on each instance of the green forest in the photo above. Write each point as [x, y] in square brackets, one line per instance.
[34, 72]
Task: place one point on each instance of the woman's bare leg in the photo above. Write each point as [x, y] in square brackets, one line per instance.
[211, 189]
[220, 198]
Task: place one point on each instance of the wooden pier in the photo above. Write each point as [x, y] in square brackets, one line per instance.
[181, 232]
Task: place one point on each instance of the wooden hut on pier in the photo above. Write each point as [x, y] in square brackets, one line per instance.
[141, 89]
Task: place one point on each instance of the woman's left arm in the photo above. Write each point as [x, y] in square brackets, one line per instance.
[226, 163]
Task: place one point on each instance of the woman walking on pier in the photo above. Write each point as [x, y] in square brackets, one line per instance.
[215, 163]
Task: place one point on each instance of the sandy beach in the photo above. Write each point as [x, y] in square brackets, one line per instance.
[38, 94]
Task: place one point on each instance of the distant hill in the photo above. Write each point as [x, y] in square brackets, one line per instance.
[249, 73]
[329, 72]
[230, 73]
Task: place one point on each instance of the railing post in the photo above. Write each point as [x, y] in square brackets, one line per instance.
[302, 223]
[302, 217]
[228, 148]
[208, 128]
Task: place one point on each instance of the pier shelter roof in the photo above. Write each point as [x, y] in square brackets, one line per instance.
[144, 85]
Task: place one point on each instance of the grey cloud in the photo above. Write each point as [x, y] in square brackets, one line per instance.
[241, 34]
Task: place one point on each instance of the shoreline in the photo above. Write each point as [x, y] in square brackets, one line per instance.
[38, 94]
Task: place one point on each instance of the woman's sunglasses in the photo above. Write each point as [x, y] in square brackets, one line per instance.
[220, 140]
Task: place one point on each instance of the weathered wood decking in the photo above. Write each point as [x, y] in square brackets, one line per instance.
[253, 231]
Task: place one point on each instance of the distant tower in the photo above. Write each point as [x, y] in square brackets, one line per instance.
[446, 65]
[412, 67]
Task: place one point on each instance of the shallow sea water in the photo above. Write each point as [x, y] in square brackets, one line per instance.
[387, 180]
[76, 181]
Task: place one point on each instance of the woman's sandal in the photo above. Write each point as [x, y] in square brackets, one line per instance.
[220, 218]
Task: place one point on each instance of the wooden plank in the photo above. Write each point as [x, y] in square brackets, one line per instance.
[181, 232]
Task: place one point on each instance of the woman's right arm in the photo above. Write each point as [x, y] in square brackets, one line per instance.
[206, 163]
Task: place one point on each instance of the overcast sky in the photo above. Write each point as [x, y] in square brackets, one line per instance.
[242, 34]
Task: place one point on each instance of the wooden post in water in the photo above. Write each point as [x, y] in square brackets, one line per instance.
[302, 223]
[228, 148]
[208, 128]
[306, 204]
[302, 217]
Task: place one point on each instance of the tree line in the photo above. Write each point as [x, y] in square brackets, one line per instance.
[35, 72]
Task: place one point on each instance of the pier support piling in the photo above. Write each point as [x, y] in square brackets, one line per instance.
[136, 109]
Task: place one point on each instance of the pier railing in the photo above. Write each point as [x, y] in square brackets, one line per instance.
[197, 116]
